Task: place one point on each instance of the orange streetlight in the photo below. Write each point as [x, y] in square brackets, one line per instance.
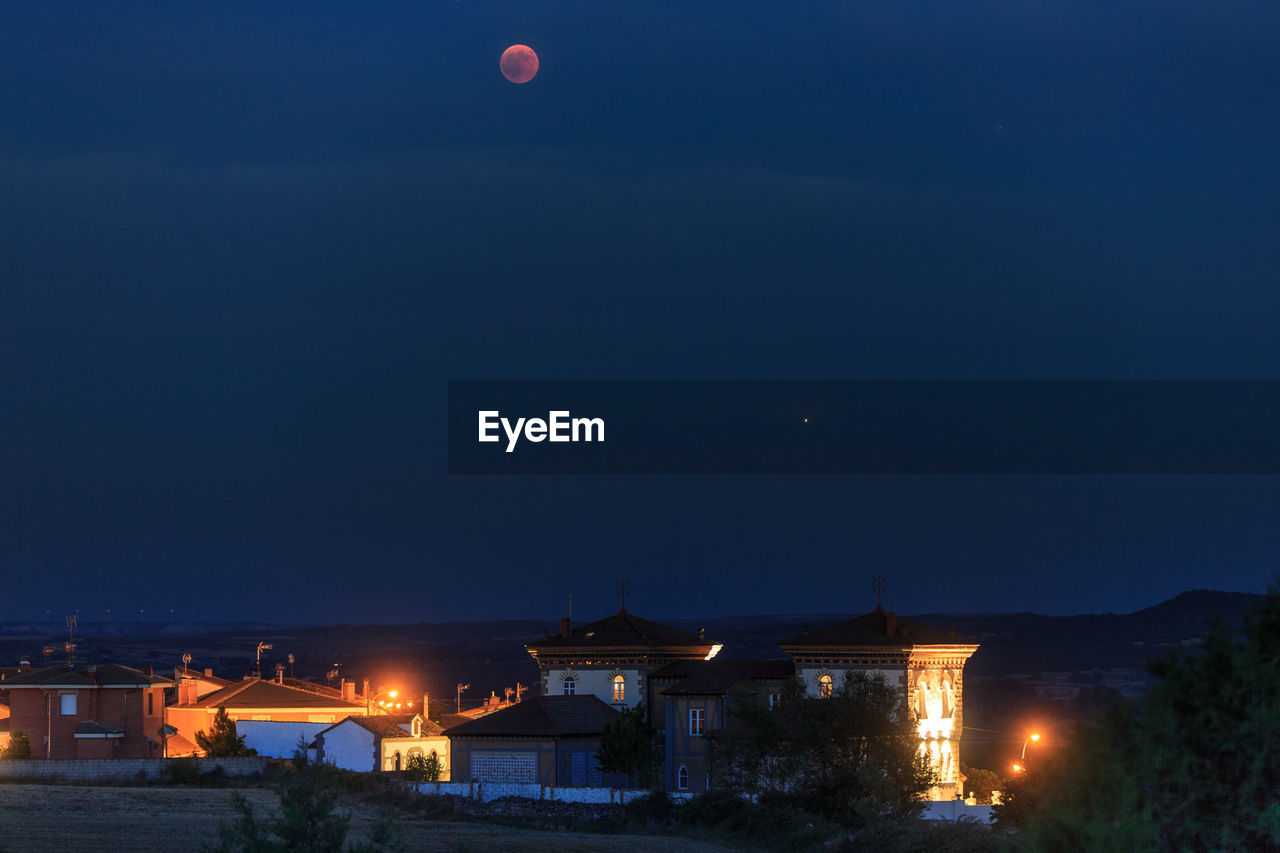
[1017, 768]
[1030, 737]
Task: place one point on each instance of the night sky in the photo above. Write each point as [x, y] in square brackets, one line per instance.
[244, 246]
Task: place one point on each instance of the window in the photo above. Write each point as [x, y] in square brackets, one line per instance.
[68, 704]
[151, 703]
[619, 688]
[775, 699]
[682, 778]
[397, 761]
[569, 686]
[824, 687]
[696, 717]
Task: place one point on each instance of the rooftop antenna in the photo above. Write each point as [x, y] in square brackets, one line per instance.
[258, 667]
[622, 589]
[879, 584]
[291, 664]
[71, 641]
[186, 660]
[461, 687]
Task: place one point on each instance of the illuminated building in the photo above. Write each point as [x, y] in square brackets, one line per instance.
[612, 659]
[926, 663]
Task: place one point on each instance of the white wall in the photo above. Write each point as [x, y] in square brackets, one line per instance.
[350, 747]
[409, 745]
[486, 791]
[277, 739]
[598, 682]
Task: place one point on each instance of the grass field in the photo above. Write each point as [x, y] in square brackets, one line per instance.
[72, 818]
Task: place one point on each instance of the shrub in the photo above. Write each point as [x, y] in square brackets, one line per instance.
[180, 771]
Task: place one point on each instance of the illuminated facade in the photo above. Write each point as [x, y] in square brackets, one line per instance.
[612, 659]
[926, 663]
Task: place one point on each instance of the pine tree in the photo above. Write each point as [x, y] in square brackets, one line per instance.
[625, 748]
[853, 756]
[222, 741]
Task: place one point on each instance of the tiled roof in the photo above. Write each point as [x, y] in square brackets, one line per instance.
[200, 675]
[877, 628]
[257, 693]
[405, 722]
[719, 676]
[620, 629]
[542, 716]
[93, 727]
[103, 675]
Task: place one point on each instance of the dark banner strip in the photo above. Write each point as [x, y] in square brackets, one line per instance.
[864, 427]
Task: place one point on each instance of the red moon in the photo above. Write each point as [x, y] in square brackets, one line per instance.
[519, 63]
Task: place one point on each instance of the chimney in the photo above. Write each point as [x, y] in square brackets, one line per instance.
[24, 664]
[564, 627]
[426, 704]
[890, 623]
[702, 633]
[208, 670]
[187, 692]
[348, 690]
[364, 692]
[148, 670]
[93, 667]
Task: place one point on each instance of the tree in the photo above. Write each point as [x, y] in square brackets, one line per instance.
[421, 768]
[19, 747]
[1193, 766]
[981, 783]
[308, 821]
[222, 741]
[853, 756]
[625, 747]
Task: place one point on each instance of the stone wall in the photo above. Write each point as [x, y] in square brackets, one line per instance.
[120, 768]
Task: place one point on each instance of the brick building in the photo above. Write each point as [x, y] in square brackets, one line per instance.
[104, 711]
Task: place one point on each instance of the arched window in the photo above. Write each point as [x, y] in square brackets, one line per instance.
[824, 687]
[569, 686]
[682, 778]
[397, 761]
[619, 688]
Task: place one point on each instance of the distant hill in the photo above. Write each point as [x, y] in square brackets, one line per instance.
[490, 656]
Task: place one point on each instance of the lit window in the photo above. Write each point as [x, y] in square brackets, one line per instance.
[68, 706]
[695, 721]
[682, 778]
[775, 699]
[619, 691]
[569, 687]
[824, 687]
